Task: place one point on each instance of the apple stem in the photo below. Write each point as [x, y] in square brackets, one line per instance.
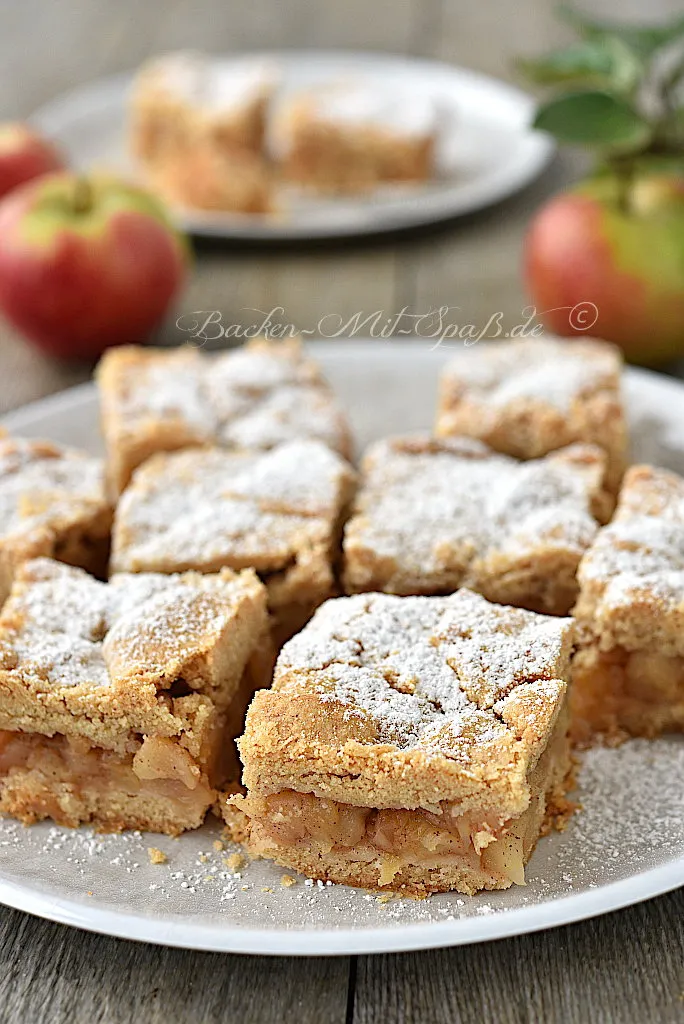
[83, 195]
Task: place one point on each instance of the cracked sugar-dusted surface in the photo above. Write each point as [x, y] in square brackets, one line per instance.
[430, 671]
[546, 370]
[61, 628]
[197, 508]
[253, 397]
[45, 486]
[632, 577]
[430, 512]
[530, 396]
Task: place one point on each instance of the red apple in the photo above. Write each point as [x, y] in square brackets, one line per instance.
[87, 263]
[24, 155]
[612, 265]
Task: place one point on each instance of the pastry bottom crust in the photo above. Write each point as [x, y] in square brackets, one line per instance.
[619, 693]
[412, 852]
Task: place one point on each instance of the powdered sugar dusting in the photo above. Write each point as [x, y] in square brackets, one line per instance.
[206, 84]
[637, 561]
[200, 508]
[369, 104]
[426, 670]
[253, 397]
[173, 389]
[43, 486]
[63, 628]
[434, 508]
[284, 414]
[548, 370]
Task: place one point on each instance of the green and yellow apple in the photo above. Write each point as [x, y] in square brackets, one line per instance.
[24, 155]
[87, 263]
[620, 250]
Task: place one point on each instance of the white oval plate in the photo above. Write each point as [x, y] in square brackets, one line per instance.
[627, 844]
[486, 153]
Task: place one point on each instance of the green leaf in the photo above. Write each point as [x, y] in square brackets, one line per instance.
[599, 63]
[643, 40]
[595, 119]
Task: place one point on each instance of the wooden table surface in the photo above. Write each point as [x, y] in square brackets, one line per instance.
[626, 967]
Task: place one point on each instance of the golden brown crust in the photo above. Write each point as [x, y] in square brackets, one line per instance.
[205, 178]
[119, 702]
[343, 156]
[52, 503]
[114, 673]
[279, 512]
[392, 702]
[628, 675]
[529, 397]
[184, 100]
[632, 577]
[433, 515]
[250, 399]
[413, 852]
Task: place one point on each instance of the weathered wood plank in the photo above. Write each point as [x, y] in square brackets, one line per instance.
[63, 976]
[625, 968]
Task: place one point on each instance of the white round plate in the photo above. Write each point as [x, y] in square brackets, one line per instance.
[486, 152]
[625, 845]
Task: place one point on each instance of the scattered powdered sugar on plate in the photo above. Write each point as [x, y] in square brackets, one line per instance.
[646, 814]
[632, 819]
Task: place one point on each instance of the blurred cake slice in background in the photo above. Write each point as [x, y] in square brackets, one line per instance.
[351, 137]
[197, 128]
[206, 178]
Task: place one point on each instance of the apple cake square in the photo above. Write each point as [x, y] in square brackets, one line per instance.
[530, 396]
[52, 503]
[183, 99]
[197, 128]
[432, 515]
[349, 137]
[628, 673]
[416, 744]
[119, 701]
[253, 398]
[279, 512]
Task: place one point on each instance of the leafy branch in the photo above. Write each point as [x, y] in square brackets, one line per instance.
[617, 90]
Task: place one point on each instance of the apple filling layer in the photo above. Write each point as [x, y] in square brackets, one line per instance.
[160, 787]
[388, 837]
[619, 693]
[413, 851]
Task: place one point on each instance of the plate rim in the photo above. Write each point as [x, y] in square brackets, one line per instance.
[182, 933]
[541, 152]
[218, 938]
